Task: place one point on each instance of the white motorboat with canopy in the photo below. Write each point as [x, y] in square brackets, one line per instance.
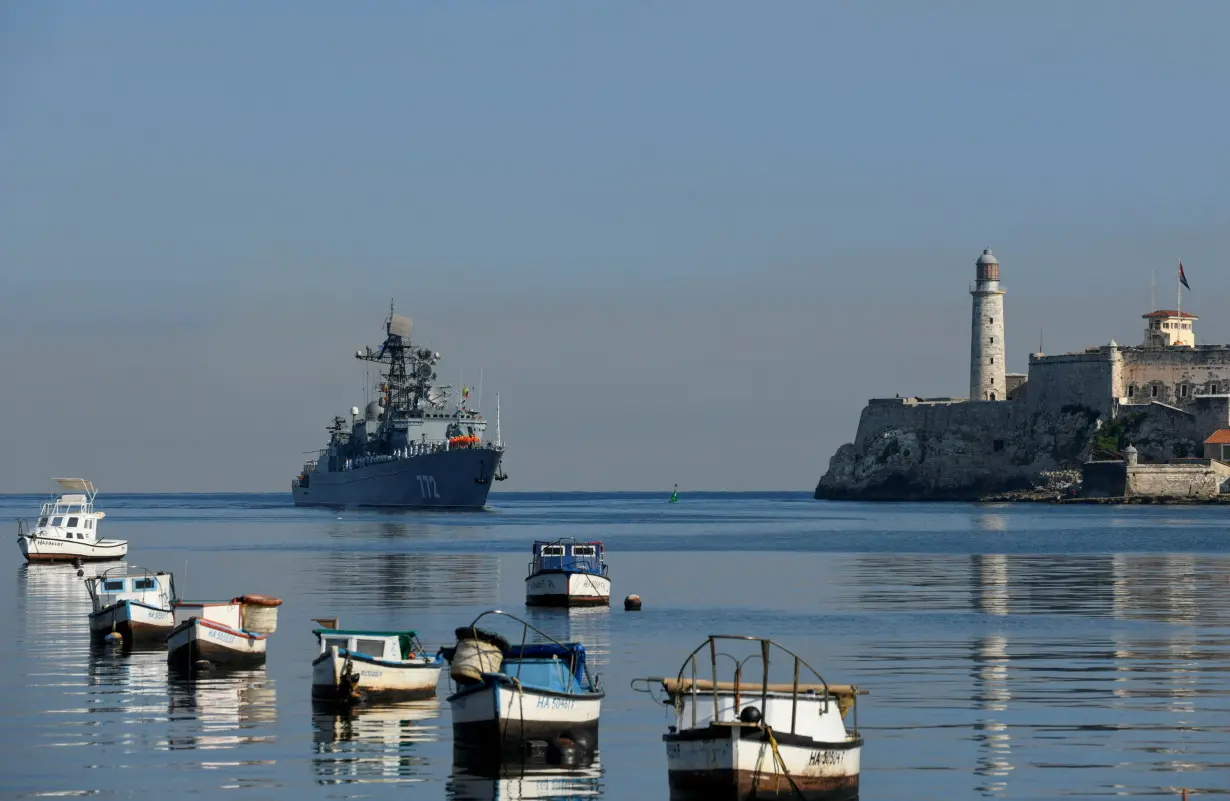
[751, 739]
[67, 528]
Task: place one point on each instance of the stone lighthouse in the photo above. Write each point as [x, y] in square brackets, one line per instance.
[986, 353]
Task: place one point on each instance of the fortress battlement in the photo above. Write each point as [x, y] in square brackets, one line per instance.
[1166, 393]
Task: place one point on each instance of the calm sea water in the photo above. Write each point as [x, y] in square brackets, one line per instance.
[1011, 651]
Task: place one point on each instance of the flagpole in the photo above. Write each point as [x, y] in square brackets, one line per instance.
[1179, 286]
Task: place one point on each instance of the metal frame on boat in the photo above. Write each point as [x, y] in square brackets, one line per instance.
[793, 742]
[550, 698]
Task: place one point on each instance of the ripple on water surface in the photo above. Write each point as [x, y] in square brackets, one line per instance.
[1015, 652]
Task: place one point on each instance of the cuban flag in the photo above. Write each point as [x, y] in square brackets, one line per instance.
[1183, 277]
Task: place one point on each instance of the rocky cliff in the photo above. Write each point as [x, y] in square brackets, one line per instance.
[911, 449]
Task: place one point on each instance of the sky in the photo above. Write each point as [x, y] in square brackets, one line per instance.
[685, 242]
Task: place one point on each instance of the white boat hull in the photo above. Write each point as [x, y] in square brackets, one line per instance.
[499, 714]
[377, 677]
[567, 589]
[196, 639]
[737, 762]
[134, 621]
[52, 549]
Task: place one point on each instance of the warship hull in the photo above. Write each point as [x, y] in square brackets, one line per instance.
[456, 479]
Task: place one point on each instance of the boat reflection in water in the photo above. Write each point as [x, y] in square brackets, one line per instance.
[373, 743]
[523, 780]
[222, 709]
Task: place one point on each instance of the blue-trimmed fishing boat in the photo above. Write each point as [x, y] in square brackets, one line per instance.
[510, 695]
[133, 603]
[358, 663]
[568, 572]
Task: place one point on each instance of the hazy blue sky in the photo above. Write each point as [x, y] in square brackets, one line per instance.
[684, 241]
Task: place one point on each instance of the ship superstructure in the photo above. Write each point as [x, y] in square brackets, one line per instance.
[412, 446]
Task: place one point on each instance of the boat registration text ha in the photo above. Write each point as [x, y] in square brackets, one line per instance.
[824, 758]
[555, 703]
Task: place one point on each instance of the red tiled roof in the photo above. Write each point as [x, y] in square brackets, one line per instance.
[1220, 437]
[1168, 313]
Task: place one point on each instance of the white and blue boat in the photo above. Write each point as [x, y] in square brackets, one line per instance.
[568, 572]
[510, 696]
[354, 664]
[133, 603]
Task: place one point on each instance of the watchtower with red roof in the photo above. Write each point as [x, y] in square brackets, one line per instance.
[1168, 329]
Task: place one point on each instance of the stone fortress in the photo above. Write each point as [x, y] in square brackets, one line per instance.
[1166, 398]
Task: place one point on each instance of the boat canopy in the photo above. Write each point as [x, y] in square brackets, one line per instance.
[572, 652]
[77, 485]
[568, 555]
[407, 641]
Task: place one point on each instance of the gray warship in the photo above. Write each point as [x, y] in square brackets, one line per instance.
[412, 447]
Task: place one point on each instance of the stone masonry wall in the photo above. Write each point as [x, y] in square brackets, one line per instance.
[1074, 379]
[908, 449]
[1179, 374]
[1195, 480]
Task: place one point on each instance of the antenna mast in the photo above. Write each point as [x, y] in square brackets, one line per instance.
[499, 440]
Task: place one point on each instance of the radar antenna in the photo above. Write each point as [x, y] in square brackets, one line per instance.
[407, 371]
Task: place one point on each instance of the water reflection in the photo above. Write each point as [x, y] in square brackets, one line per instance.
[991, 696]
[523, 781]
[1162, 587]
[408, 580]
[220, 710]
[373, 744]
[53, 599]
[588, 625]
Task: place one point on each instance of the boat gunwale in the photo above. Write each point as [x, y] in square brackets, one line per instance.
[367, 632]
[125, 602]
[417, 662]
[498, 680]
[567, 571]
[737, 729]
[251, 635]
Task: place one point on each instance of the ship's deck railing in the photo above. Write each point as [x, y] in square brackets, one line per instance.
[411, 451]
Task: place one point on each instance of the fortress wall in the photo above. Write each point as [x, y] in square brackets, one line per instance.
[1199, 368]
[1161, 432]
[1075, 379]
[1195, 480]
